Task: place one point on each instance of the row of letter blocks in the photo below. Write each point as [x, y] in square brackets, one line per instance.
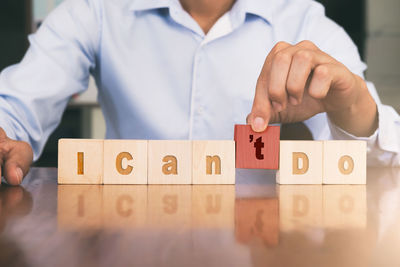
[83, 161]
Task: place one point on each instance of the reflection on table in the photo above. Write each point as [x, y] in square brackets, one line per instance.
[255, 223]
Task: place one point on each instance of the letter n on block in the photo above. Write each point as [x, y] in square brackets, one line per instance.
[345, 162]
[80, 161]
[214, 162]
[125, 162]
[300, 162]
[257, 150]
[170, 162]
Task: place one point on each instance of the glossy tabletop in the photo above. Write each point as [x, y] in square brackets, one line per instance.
[255, 223]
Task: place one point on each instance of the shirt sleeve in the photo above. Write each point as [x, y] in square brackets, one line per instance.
[57, 65]
[383, 147]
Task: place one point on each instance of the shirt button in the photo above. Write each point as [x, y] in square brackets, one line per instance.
[200, 110]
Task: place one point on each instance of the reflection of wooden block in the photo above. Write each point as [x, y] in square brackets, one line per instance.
[80, 161]
[257, 218]
[169, 206]
[257, 150]
[170, 162]
[345, 162]
[345, 206]
[213, 162]
[125, 162]
[213, 206]
[300, 162]
[79, 206]
[124, 206]
[300, 206]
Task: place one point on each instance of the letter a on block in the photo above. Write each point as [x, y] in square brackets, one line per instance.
[170, 162]
[80, 161]
[214, 162]
[171, 165]
[300, 162]
[257, 150]
[125, 161]
[345, 162]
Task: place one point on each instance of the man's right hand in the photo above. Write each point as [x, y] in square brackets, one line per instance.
[15, 159]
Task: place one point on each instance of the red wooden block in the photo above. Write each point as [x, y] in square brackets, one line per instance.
[257, 150]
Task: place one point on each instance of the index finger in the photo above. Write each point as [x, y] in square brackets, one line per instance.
[261, 111]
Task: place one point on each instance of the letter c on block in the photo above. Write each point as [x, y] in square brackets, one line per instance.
[296, 169]
[118, 163]
[350, 165]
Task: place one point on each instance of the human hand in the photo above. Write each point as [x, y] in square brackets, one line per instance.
[300, 81]
[15, 159]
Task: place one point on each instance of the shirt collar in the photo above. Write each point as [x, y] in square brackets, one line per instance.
[261, 8]
[141, 5]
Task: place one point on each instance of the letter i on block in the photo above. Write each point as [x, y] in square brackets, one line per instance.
[214, 162]
[125, 162]
[345, 162]
[80, 161]
[300, 162]
[170, 162]
[257, 150]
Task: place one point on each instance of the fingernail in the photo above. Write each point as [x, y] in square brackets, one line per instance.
[277, 107]
[20, 175]
[259, 124]
[293, 101]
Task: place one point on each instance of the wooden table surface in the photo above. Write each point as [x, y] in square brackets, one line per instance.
[255, 223]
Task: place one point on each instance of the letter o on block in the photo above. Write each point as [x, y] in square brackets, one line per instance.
[345, 162]
[346, 165]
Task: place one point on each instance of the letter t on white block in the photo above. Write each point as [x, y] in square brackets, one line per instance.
[345, 162]
[300, 162]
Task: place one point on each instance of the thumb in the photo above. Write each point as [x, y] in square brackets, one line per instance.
[17, 162]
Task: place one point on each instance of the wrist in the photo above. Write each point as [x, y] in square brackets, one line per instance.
[361, 117]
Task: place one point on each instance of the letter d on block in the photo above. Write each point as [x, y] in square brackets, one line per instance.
[300, 162]
[297, 156]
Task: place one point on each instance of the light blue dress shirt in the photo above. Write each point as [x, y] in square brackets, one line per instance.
[160, 77]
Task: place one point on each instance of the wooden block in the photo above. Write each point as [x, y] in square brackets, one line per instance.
[345, 206]
[300, 162]
[300, 207]
[79, 206]
[124, 206]
[125, 162]
[257, 218]
[170, 162]
[169, 206]
[213, 206]
[80, 161]
[257, 150]
[345, 162]
[213, 162]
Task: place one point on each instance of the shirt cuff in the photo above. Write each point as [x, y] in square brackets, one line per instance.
[385, 137]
